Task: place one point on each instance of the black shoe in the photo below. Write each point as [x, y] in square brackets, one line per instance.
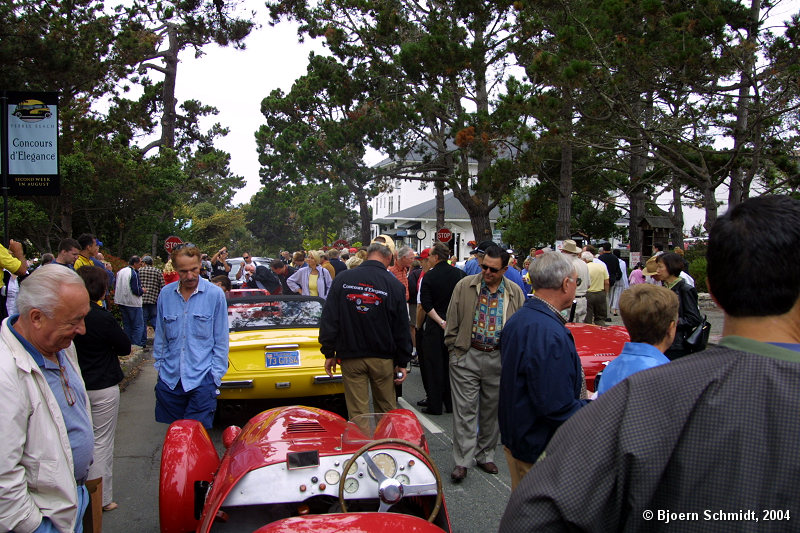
[448, 410]
[608, 320]
[423, 403]
[427, 411]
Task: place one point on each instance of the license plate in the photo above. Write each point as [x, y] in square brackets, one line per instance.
[277, 359]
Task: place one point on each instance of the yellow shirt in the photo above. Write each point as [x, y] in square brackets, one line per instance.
[82, 261]
[8, 262]
[597, 274]
[313, 277]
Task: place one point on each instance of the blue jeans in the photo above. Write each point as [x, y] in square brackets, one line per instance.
[197, 404]
[150, 312]
[133, 324]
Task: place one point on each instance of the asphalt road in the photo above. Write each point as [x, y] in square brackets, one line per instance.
[477, 504]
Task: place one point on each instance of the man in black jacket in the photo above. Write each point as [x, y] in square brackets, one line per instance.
[262, 278]
[282, 271]
[614, 272]
[435, 293]
[364, 326]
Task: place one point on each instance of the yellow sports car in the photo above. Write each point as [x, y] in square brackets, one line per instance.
[274, 349]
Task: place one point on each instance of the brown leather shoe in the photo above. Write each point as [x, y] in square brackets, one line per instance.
[458, 475]
[489, 468]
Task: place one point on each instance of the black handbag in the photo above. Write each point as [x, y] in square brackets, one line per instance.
[697, 340]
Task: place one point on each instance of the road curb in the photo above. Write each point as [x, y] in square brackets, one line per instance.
[131, 364]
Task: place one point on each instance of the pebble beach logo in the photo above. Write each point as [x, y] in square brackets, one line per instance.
[32, 111]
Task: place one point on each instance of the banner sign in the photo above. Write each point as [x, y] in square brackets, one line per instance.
[31, 149]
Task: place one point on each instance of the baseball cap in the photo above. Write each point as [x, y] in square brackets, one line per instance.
[481, 249]
[424, 254]
[387, 241]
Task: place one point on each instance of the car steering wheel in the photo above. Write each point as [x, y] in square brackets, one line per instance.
[391, 491]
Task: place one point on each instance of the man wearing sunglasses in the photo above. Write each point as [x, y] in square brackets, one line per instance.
[247, 260]
[480, 306]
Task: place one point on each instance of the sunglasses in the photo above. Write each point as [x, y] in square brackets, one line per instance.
[185, 245]
[68, 393]
[244, 257]
[492, 269]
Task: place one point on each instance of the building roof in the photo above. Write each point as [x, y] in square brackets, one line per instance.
[454, 212]
[656, 222]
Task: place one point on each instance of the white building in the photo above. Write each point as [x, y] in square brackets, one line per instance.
[415, 226]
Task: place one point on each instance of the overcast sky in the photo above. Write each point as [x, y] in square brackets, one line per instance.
[235, 82]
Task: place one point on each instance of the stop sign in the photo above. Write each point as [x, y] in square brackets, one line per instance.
[444, 235]
[171, 243]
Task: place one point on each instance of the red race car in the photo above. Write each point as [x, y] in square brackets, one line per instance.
[597, 346]
[302, 469]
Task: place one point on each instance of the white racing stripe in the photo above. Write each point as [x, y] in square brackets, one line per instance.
[426, 422]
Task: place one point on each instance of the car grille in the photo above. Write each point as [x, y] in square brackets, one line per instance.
[304, 427]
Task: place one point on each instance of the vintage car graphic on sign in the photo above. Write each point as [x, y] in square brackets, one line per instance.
[32, 111]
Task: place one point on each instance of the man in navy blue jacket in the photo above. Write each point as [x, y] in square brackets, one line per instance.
[541, 380]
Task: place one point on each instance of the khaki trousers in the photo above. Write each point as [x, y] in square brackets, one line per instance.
[517, 468]
[475, 388]
[361, 374]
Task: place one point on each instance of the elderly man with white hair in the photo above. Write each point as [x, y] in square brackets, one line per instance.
[541, 380]
[47, 440]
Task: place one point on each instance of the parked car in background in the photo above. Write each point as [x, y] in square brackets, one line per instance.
[236, 264]
[274, 351]
[597, 346]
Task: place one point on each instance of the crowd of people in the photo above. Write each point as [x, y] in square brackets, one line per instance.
[672, 426]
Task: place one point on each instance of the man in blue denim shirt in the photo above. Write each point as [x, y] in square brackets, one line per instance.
[191, 343]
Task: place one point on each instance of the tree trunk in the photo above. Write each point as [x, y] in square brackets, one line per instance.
[169, 119]
[440, 214]
[366, 216]
[710, 205]
[637, 166]
[739, 183]
[676, 217]
[563, 230]
[66, 215]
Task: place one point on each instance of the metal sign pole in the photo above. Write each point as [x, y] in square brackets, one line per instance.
[4, 163]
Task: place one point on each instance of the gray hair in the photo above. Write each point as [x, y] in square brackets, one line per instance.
[379, 248]
[404, 251]
[587, 256]
[549, 270]
[42, 289]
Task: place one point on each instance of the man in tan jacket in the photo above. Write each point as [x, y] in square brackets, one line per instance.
[480, 305]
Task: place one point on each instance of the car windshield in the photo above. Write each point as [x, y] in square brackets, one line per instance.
[369, 427]
[270, 312]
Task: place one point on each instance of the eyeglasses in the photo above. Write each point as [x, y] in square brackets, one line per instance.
[68, 394]
[492, 269]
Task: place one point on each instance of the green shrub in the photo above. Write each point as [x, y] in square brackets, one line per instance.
[697, 269]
